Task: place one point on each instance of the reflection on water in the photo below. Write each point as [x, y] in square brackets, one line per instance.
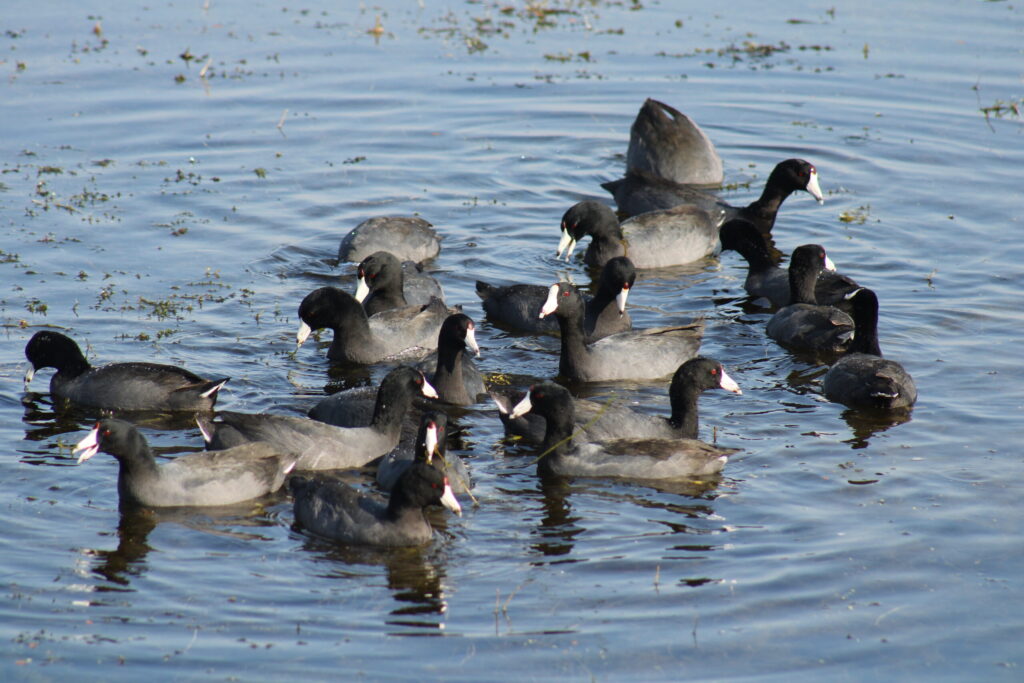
[867, 423]
[121, 564]
[416, 577]
[127, 560]
[558, 526]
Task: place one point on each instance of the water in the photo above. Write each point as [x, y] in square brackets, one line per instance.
[183, 222]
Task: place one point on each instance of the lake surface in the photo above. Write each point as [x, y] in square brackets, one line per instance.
[176, 177]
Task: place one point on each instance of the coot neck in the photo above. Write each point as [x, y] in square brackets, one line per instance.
[683, 398]
[557, 440]
[384, 299]
[351, 333]
[73, 364]
[448, 375]
[574, 347]
[865, 319]
[762, 211]
[392, 404]
[136, 463]
[801, 284]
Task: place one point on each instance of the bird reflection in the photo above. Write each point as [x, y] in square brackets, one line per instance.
[416, 577]
[128, 560]
[865, 424]
[558, 527]
[44, 420]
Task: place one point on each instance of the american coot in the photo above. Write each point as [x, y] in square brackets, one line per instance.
[117, 386]
[767, 280]
[452, 371]
[321, 446]
[636, 354]
[640, 193]
[862, 378]
[804, 325]
[657, 239]
[529, 427]
[334, 510]
[408, 238]
[667, 143]
[651, 458]
[383, 283]
[430, 447]
[516, 306]
[213, 478]
[603, 419]
[359, 339]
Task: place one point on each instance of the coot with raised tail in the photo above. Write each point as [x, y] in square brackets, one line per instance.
[409, 238]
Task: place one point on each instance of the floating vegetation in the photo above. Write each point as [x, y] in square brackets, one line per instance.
[579, 57]
[753, 54]
[1000, 109]
[858, 216]
[500, 20]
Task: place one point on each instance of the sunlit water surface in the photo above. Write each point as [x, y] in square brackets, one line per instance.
[175, 177]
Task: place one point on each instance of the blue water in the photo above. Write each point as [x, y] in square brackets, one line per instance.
[152, 213]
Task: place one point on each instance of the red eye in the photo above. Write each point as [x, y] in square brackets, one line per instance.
[714, 371]
[565, 293]
[106, 432]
